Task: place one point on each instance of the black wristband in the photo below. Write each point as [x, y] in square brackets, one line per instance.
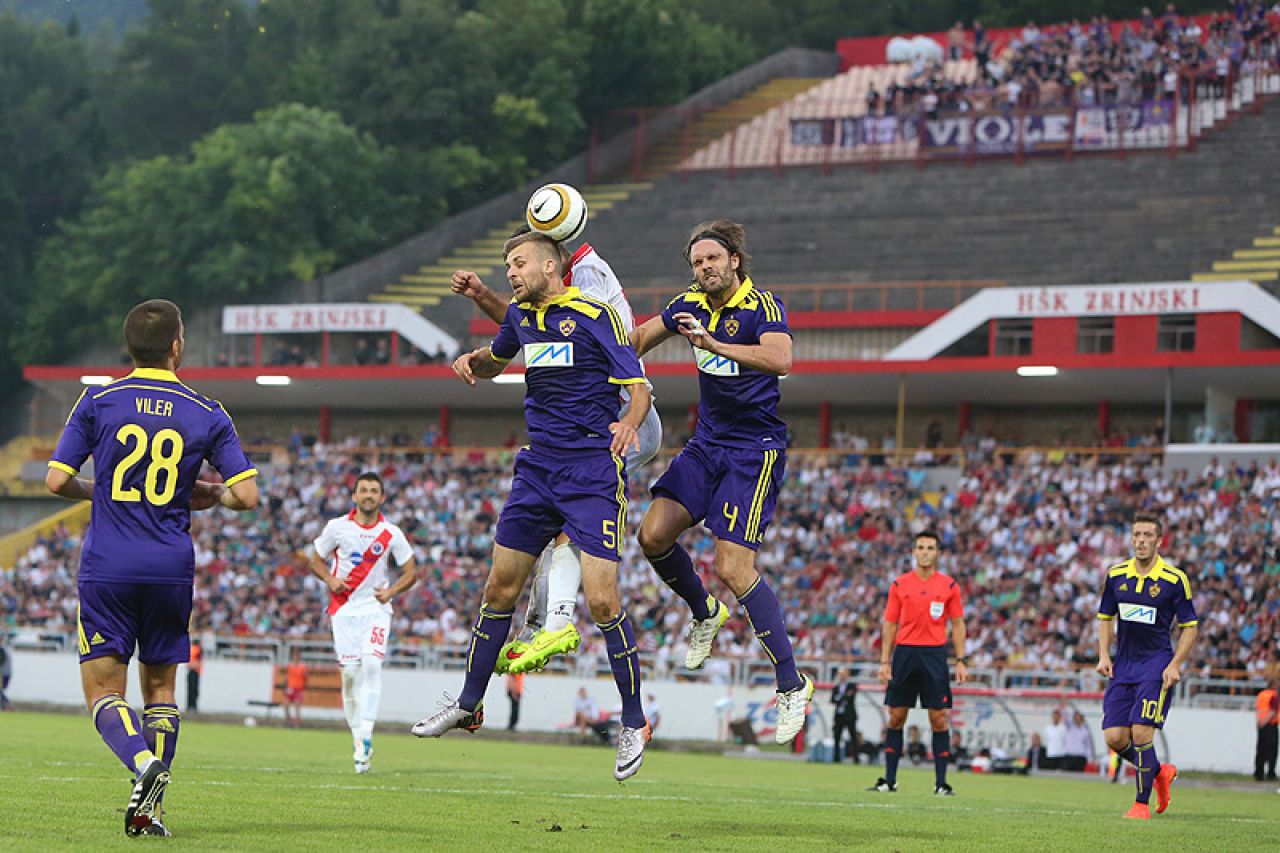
[964, 660]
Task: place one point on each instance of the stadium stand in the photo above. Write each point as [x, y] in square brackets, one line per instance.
[1029, 537]
[1047, 222]
[1197, 75]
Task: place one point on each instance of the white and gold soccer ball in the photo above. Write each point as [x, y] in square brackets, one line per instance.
[557, 210]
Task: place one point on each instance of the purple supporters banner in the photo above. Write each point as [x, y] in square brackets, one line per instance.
[995, 134]
[813, 131]
[868, 130]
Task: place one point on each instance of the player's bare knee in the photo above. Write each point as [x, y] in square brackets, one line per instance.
[654, 541]
[1118, 740]
[939, 721]
[500, 593]
[897, 718]
[603, 607]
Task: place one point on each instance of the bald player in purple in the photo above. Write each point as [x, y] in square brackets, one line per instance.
[729, 474]
[1142, 599]
[148, 435]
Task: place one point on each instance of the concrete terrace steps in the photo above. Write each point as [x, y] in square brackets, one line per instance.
[666, 154]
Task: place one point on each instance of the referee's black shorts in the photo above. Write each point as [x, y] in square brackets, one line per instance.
[919, 674]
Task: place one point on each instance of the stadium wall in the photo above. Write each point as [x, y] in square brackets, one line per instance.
[1043, 425]
[690, 711]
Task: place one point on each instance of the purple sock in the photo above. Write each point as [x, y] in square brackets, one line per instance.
[676, 570]
[1148, 765]
[765, 615]
[1129, 754]
[941, 755]
[487, 638]
[892, 754]
[118, 725]
[624, 660]
[160, 728]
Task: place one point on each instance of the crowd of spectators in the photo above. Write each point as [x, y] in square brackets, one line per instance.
[1093, 63]
[1028, 541]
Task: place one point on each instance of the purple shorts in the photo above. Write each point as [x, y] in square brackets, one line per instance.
[732, 490]
[582, 492]
[1135, 703]
[115, 618]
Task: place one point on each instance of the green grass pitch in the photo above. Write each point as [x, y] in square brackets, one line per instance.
[267, 788]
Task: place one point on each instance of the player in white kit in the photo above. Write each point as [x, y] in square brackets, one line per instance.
[548, 622]
[352, 556]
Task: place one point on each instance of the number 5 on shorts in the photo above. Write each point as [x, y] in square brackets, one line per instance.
[609, 530]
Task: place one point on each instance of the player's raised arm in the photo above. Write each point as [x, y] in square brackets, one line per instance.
[478, 364]
[772, 355]
[468, 284]
[649, 334]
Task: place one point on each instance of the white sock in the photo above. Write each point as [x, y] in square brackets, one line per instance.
[350, 696]
[563, 580]
[370, 695]
[535, 614]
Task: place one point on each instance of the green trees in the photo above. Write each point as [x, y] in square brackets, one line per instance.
[287, 196]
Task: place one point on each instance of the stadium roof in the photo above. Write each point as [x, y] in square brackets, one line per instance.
[917, 366]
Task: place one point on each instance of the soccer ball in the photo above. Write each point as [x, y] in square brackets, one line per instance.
[251, 722]
[557, 211]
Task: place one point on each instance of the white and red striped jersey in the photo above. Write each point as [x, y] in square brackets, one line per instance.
[359, 555]
[591, 274]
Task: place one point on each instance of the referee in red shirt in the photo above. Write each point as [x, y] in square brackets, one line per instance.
[921, 603]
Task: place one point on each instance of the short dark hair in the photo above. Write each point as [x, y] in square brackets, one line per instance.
[1148, 518]
[927, 534]
[150, 330]
[371, 477]
[727, 233]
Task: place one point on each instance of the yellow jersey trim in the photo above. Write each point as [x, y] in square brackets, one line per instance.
[62, 466]
[1105, 618]
[156, 373]
[112, 388]
[1193, 623]
[615, 319]
[499, 359]
[243, 475]
[626, 381]
[1160, 571]
[76, 406]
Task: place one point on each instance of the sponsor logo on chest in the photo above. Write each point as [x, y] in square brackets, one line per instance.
[714, 365]
[1142, 613]
[548, 354]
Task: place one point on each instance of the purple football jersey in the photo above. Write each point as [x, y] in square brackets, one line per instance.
[149, 435]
